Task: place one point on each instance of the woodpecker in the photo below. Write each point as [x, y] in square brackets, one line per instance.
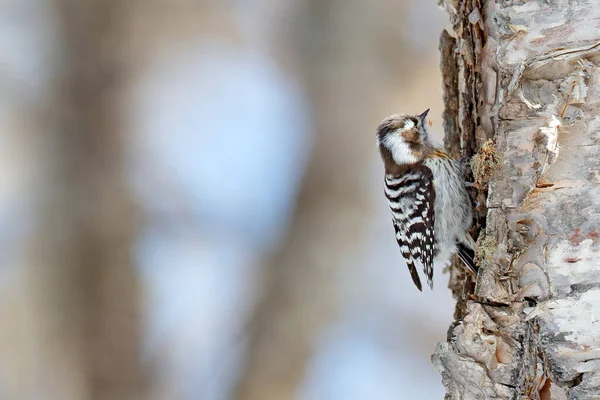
[430, 206]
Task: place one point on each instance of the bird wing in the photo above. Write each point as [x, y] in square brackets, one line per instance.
[411, 196]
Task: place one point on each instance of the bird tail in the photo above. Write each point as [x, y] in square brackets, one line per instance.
[467, 255]
[413, 274]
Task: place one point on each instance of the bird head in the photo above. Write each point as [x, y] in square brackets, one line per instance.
[404, 137]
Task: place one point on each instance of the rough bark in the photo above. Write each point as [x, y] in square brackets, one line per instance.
[527, 78]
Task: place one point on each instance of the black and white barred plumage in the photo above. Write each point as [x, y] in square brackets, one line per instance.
[431, 210]
[411, 198]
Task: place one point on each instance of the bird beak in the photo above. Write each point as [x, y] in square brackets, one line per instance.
[423, 116]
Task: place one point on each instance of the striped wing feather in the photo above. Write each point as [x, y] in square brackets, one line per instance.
[411, 197]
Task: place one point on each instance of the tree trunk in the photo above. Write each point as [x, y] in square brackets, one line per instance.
[85, 278]
[302, 295]
[525, 75]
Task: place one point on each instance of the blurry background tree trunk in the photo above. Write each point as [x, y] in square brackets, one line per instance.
[525, 75]
[301, 296]
[85, 279]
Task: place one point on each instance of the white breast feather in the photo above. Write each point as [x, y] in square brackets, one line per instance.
[400, 150]
[452, 217]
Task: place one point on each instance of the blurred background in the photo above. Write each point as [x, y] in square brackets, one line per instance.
[191, 200]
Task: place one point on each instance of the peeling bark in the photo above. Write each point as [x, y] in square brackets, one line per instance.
[528, 76]
[449, 66]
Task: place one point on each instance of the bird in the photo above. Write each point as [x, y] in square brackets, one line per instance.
[430, 206]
